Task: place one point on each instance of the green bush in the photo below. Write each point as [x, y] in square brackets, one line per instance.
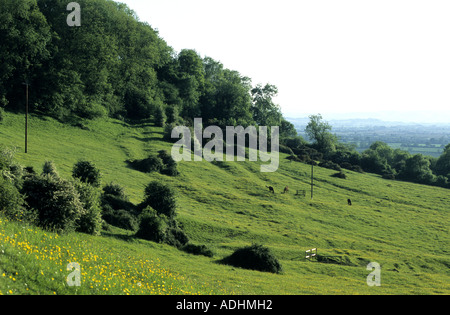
[159, 228]
[118, 203]
[254, 257]
[340, 175]
[160, 116]
[330, 165]
[115, 190]
[11, 201]
[117, 209]
[175, 235]
[90, 221]
[55, 200]
[172, 114]
[170, 165]
[148, 165]
[2, 114]
[49, 168]
[87, 173]
[161, 198]
[167, 134]
[153, 227]
[120, 218]
[165, 157]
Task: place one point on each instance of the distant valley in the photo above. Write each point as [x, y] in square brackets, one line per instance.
[426, 138]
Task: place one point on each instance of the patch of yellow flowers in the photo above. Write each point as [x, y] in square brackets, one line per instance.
[101, 272]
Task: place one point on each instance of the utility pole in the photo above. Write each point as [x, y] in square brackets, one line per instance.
[26, 116]
[312, 179]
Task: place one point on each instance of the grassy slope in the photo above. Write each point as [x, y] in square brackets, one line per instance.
[402, 226]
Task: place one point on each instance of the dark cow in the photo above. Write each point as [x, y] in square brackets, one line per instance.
[349, 202]
[271, 189]
[286, 189]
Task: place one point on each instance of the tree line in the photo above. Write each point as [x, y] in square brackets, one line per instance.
[118, 66]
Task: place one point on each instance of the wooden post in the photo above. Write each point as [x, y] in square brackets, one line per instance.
[26, 117]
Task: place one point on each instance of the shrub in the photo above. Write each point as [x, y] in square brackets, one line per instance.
[90, 221]
[165, 157]
[29, 171]
[170, 170]
[2, 114]
[175, 235]
[160, 116]
[55, 200]
[9, 169]
[148, 165]
[340, 175]
[197, 250]
[330, 165]
[172, 114]
[87, 173]
[357, 168]
[167, 135]
[170, 165]
[161, 198]
[152, 227]
[161, 229]
[117, 209]
[49, 168]
[120, 218]
[254, 257]
[390, 176]
[11, 200]
[115, 190]
[118, 203]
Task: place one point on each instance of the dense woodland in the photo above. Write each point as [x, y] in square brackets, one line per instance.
[114, 65]
[117, 66]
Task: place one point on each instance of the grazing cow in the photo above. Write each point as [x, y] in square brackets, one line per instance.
[349, 202]
[271, 189]
[286, 189]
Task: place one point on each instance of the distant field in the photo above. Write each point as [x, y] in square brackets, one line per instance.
[402, 226]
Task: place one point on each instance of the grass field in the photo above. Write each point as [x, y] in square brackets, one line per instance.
[402, 226]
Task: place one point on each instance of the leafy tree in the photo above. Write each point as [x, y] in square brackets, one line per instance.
[226, 96]
[287, 129]
[378, 158]
[191, 80]
[24, 37]
[265, 111]
[319, 131]
[417, 169]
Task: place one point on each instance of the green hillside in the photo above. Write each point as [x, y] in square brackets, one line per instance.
[402, 226]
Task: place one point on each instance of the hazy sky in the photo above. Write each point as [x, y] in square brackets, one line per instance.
[325, 56]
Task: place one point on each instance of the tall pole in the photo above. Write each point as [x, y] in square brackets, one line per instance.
[312, 180]
[26, 118]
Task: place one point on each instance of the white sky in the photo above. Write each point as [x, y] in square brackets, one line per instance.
[325, 56]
